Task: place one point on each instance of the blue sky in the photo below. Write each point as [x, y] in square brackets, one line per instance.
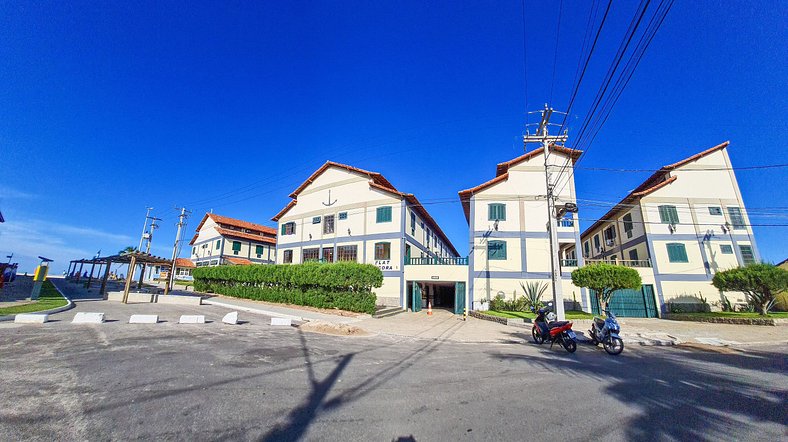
[111, 107]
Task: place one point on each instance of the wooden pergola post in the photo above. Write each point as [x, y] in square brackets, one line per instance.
[90, 279]
[79, 273]
[129, 278]
[142, 276]
[103, 289]
[68, 272]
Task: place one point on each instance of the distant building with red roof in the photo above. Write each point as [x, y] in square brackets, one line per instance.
[223, 240]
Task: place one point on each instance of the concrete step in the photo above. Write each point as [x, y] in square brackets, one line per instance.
[385, 312]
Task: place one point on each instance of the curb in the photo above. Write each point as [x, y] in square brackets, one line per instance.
[254, 310]
[68, 306]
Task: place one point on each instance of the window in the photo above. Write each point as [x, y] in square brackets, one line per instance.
[342, 215]
[328, 254]
[586, 249]
[412, 224]
[315, 220]
[383, 214]
[496, 212]
[194, 250]
[726, 249]
[633, 255]
[347, 253]
[288, 228]
[328, 224]
[715, 211]
[746, 254]
[677, 252]
[429, 237]
[668, 215]
[310, 255]
[236, 247]
[736, 217]
[435, 240]
[382, 250]
[496, 250]
[258, 250]
[610, 235]
[288, 257]
[407, 252]
[218, 244]
[596, 242]
[628, 224]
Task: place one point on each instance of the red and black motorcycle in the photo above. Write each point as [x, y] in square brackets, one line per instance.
[546, 328]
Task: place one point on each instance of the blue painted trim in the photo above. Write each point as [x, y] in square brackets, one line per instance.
[516, 275]
[684, 277]
[471, 252]
[317, 242]
[520, 234]
[693, 237]
[420, 246]
[393, 274]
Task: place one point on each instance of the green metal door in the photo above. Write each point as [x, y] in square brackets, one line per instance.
[416, 305]
[459, 298]
[630, 303]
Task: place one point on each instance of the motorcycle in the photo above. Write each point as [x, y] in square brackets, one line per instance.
[546, 328]
[606, 331]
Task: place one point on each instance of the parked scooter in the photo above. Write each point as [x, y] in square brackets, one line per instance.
[546, 328]
[606, 331]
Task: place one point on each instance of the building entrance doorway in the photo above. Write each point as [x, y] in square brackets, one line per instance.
[448, 295]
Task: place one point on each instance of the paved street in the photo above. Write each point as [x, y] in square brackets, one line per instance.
[257, 382]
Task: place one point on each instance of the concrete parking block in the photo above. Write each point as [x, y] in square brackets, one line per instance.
[281, 321]
[88, 318]
[144, 319]
[31, 318]
[192, 319]
[231, 318]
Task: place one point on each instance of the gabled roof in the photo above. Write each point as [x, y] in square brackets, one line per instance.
[219, 219]
[243, 235]
[237, 261]
[656, 181]
[502, 173]
[184, 263]
[374, 176]
[377, 182]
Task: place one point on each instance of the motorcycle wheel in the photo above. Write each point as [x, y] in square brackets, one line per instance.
[569, 344]
[613, 346]
[537, 335]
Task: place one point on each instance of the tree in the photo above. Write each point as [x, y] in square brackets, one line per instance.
[760, 282]
[128, 249]
[604, 279]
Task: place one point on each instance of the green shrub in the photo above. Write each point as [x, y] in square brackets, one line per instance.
[760, 282]
[604, 279]
[342, 285]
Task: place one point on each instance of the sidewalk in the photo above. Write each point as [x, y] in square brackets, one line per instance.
[268, 309]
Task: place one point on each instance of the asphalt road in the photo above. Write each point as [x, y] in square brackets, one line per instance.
[118, 381]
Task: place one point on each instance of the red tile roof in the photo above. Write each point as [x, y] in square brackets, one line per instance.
[283, 211]
[502, 173]
[374, 176]
[238, 261]
[184, 263]
[244, 235]
[656, 181]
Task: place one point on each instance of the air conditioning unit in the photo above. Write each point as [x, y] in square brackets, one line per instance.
[609, 242]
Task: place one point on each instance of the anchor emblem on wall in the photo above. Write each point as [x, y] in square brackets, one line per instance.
[329, 202]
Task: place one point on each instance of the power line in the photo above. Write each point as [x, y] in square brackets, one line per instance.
[555, 52]
[694, 169]
[525, 63]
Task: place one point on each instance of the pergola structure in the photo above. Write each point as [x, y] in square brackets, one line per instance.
[131, 258]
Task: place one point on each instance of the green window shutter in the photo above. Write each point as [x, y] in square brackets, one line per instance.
[736, 217]
[258, 250]
[746, 254]
[236, 246]
[496, 250]
[677, 252]
[218, 244]
[496, 211]
[282, 230]
[383, 214]
[668, 215]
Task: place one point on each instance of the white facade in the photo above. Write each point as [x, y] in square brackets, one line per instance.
[509, 239]
[682, 225]
[223, 240]
[344, 213]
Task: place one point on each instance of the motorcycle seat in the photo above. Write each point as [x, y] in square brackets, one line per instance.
[599, 321]
[557, 324]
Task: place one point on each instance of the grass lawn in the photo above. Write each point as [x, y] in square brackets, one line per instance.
[570, 314]
[48, 299]
[733, 315]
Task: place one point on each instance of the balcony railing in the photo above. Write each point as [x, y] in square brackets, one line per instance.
[433, 261]
[566, 223]
[568, 263]
[622, 262]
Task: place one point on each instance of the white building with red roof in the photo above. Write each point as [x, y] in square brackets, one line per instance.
[343, 213]
[223, 240]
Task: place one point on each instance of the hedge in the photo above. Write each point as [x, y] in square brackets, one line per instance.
[342, 285]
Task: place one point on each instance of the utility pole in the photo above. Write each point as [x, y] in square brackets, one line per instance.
[144, 227]
[542, 136]
[181, 222]
[153, 226]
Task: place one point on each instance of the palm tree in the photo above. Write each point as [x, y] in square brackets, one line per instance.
[128, 249]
